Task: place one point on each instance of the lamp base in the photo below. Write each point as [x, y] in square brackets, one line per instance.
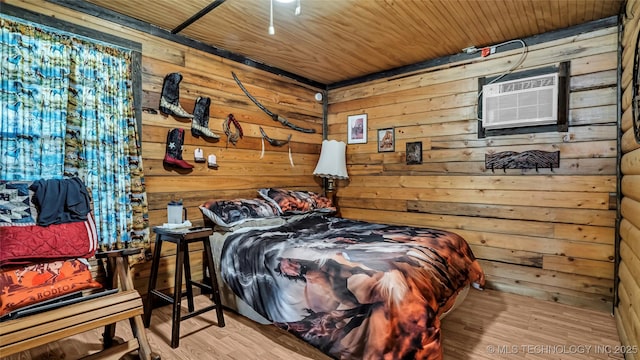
[330, 193]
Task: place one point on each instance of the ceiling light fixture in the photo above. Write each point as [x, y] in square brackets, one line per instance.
[298, 10]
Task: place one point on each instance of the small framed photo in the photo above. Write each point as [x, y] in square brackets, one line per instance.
[414, 153]
[357, 129]
[386, 140]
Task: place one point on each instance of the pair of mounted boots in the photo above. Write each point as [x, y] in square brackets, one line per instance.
[170, 104]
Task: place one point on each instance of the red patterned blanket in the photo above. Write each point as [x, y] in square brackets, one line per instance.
[33, 243]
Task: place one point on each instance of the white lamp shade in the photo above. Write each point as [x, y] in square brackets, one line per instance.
[332, 163]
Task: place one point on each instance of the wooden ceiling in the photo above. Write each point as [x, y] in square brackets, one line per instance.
[333, 41]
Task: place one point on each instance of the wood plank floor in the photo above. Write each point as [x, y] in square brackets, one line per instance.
[488, 325]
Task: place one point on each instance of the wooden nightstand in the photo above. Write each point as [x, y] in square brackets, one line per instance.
[182, 238]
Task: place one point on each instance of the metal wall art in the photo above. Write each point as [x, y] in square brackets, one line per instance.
[532, 159]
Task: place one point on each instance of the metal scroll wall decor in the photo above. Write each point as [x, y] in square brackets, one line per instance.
[532, 159]
[636, 97]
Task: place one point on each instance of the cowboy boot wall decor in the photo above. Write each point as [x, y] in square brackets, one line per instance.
[173, 155]
[200, 121]
[170, 99]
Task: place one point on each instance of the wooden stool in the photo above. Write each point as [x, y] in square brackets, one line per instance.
[182, 238]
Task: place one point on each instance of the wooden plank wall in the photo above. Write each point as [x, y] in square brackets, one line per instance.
[241, 171]
[546, 234]
[628, 309]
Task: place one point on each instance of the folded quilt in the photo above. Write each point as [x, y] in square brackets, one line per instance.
[25, 244]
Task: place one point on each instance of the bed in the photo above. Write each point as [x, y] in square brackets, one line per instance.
[353, 289]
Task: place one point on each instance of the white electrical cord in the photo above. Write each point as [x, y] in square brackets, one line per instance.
[272, 30]
[523, 55]
[518, 63]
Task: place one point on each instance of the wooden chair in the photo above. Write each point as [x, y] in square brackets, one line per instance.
[104, 311]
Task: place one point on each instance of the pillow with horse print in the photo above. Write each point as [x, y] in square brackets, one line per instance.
[34, 283]
[297, 201]
[227, 213]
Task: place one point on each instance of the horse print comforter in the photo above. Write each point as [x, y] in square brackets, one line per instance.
[353, 289]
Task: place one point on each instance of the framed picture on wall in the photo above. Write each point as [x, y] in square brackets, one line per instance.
[414, 153]
[386, 140]
[357, 129]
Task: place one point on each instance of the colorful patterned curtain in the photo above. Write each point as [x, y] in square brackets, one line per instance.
[70, 112]
[34, 73]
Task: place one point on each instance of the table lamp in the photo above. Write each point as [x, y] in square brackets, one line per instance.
[332, 165]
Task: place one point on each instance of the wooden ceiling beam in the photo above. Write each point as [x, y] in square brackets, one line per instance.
[207, 9]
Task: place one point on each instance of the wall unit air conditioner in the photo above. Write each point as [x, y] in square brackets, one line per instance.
[530, 101]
